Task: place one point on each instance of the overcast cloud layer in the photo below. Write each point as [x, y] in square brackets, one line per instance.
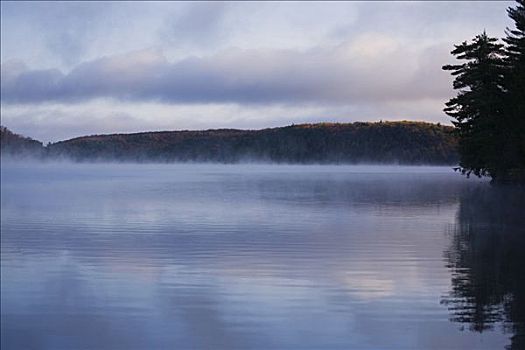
[77, 68]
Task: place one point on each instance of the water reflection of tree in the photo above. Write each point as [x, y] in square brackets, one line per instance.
[487, 258]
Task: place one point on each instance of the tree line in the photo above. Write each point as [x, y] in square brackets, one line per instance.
[323, 143]
[15, 145]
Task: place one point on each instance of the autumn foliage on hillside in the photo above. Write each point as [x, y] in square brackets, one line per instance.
[12, 144]
[325, 143]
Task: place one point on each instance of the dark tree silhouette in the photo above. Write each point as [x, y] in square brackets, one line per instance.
[515, 85]
[489, 110]
[478, 107]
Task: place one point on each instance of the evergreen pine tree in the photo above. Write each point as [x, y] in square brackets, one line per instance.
[478, 107]
[515, 88]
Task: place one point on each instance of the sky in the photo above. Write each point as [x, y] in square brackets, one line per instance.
[79, 68]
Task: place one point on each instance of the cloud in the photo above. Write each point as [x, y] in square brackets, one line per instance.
[200, 23]
[70, 69]
[64, 34]
[372, 67]
[449, 21]
[64, 30]
[54, 122]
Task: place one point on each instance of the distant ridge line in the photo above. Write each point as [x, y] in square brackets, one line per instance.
[404, 142]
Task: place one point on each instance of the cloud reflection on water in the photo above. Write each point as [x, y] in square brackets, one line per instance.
[120, 256]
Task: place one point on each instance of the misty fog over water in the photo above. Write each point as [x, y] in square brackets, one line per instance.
[127, 256]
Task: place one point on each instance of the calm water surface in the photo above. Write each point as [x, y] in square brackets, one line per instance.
[101, 256]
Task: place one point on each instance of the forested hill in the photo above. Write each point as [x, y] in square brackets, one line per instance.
[12, 144]
[383, 142]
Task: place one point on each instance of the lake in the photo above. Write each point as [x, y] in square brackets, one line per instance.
[158, 256]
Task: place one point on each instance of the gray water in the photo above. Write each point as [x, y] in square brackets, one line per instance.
[99, 256]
